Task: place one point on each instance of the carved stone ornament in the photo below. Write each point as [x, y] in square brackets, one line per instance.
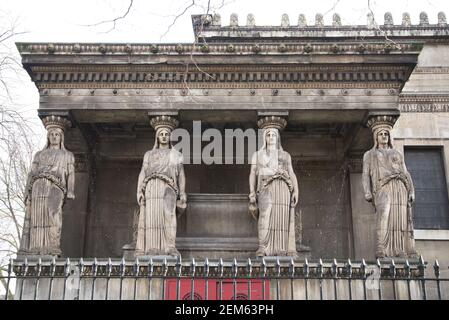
[370, 21]
[406, 21]
[302, 21]
[250, 20]
[319, 20]
[216, 20]
[234, 21]
[388, 186]
[272, 122]
[336, 20]
[285, 21]
[164, 121]
[388, 19]
[441, 19]
[50, 182]
[423, 19]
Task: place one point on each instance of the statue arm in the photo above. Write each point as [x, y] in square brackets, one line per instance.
[411, 194]
[292, 175]
[140, 194]
[253, 179]
[71, 178]
[33, 170]
[366, 178]
[182, 184]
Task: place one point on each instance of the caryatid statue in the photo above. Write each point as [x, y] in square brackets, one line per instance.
[50, 182]
[388, 185]
[273, 192]
[160, 192]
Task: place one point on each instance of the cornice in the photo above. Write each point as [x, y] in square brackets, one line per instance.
[285, 47]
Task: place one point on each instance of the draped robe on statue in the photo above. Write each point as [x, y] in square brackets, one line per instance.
[387, 178]
[158, 187]
[50, 180]
[276, 225]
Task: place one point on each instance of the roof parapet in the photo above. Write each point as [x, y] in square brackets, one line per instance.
[209, 27]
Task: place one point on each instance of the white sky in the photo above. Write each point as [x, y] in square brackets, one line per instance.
[63, 20]
[148, 21]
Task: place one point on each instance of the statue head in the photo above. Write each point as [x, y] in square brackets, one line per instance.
[383, 138]
[55, 126]
[162, 138]
[164, 125]
[381, 127]
[55, 138]
[271, 137]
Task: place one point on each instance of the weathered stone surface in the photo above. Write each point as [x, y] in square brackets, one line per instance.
[50, 183]
[389, 186]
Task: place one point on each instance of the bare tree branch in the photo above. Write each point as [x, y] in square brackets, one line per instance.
[177, 17]
[113, 21]
[376, 25]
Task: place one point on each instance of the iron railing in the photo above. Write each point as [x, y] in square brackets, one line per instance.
[276, 278]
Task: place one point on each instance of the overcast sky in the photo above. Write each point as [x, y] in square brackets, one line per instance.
[149, 21]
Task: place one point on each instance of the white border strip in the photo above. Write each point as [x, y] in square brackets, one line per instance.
[425, 234]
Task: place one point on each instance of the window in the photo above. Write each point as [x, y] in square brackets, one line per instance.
[431, 208]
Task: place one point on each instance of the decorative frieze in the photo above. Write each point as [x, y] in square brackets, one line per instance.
[424, 103]
[174, 76]
[415, 107]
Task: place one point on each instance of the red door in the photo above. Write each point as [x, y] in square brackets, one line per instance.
[214, 287]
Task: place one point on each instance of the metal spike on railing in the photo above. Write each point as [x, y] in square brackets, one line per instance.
[407, 269]
[109, 267]
[81, 266]
[122, 267]
[320, 268]
[136, 266]
[95, 267]
[10, 266]
[363, 267]
[220, 267]
[164, 267]
[436, 268]
[421, 265]
[278, 267]
[39, 267]
[249, 268]
[291, 267]
[334, 268]
[349, 268]
[178, 266]
[25, 267]
[392, 268]
[234, 268]
[67, 267]
[9, 278]
[306, 268]
[150, 267]
[206, 268]
[264, 267]
[192, 267]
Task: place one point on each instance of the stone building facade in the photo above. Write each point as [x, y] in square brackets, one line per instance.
[325, 81]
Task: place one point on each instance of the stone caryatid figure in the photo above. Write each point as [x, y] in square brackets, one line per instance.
[160, 191]
[273, 192]
[50, 182]
[388, 185]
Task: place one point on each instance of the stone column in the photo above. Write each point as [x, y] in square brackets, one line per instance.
[363, 216]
